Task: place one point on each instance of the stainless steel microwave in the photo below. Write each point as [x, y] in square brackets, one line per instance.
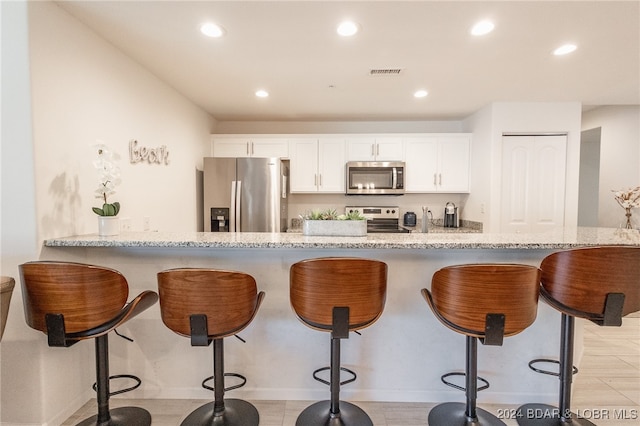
[375, 177]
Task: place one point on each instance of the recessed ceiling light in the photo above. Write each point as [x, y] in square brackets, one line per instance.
[347, 28]
[564, 49]
[482, 28]
[262, 93]
[212, 30]
[420, 93]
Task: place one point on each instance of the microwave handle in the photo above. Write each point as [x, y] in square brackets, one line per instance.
[394, 178]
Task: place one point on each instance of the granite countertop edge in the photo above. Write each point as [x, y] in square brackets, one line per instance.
[562, 238]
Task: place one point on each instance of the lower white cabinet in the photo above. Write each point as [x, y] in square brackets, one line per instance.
[317, 165]
[437, 163]
[261, 147]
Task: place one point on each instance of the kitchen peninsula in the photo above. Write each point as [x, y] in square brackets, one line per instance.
[399, 358]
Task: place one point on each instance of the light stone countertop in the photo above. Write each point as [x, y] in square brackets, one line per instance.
[562, 238]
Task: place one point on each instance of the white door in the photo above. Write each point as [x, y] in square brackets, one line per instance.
[533, 183]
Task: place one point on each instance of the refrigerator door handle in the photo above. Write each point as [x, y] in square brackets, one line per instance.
[232, 204]
[238, 205]
[284, 186]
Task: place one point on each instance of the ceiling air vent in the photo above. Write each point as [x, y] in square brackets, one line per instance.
[385, 71]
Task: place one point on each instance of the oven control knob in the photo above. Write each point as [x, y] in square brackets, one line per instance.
[393, 211]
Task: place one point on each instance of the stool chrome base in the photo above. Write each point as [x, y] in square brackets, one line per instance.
[123, 416]
[454, 414]
[237, 412]
[547, 415]
[318, 414]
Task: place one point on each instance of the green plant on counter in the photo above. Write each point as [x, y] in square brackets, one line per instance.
[331, 214]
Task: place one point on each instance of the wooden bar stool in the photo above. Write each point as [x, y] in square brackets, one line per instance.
[337, 295]
[601, 284]
[486, 302]
[6, 289]
[208, 305]
[70, 302]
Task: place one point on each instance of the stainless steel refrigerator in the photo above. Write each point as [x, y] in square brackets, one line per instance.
[245, 194]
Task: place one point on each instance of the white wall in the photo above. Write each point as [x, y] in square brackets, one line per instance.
[488, 126]
[619, 158]
[63, 89]
[84, 90]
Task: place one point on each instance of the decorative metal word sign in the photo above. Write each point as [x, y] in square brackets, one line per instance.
[159, 155]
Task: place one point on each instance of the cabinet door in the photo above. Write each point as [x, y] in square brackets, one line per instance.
[331, 165]
[453, 173]
[303, 165]
[389, 149]
[231, 147]
[421, 164]
[361, 149]
[269, 147]
[533, 183]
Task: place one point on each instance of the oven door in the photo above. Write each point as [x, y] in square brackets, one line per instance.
[368, 178]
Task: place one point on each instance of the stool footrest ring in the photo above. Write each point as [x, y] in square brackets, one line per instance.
[346, 370]
[462, 388]
[548, 361]
[122, 376]
[239, 376]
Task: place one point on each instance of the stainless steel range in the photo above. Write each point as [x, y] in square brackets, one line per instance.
[380, 219]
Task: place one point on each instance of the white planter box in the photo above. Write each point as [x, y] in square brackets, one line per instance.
[335, 228]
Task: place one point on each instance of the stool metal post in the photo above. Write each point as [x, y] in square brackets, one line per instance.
[102, 380]
[335, 376]
[471, 378]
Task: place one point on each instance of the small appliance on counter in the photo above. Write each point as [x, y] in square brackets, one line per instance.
[410, 219]
[451, 216]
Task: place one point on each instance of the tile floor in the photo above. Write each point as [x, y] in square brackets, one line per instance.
[607, 390]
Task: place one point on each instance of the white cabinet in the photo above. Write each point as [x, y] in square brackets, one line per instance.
[250, 147]
[533, 183]
[375, 149]
[437, 163]
[317, 165]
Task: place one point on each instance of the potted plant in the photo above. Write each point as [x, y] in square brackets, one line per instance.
[330, 223]
[109, 178]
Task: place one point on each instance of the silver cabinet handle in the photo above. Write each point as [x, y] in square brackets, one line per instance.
[247, 148]
[315, 180]
[435, 179]
[320, 179]
[378, 149]
[440, 182]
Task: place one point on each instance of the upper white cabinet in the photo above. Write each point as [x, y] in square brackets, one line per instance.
[375, 149]
[437, 163]
[250, 147]
[317, 165]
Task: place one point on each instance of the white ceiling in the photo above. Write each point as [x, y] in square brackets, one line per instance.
[291, 49]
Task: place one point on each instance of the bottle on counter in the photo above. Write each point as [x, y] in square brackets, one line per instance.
[425, 219]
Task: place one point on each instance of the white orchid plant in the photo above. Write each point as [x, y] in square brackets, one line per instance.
[109, 178]
[628, 199]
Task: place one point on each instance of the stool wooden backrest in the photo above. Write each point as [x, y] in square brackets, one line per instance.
[461, 296]
[229, 299]
[577, 282]
[88, 296]
[319, 285]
